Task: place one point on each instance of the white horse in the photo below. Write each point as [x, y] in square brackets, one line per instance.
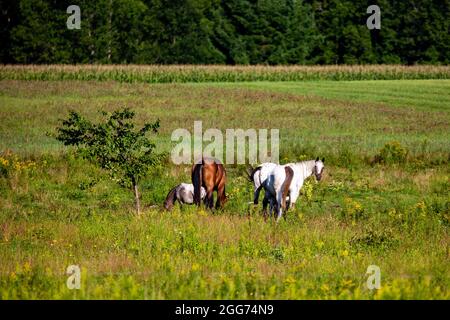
[183, 193]
[287, 180]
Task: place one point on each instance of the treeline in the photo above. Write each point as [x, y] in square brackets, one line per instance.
[225, 32]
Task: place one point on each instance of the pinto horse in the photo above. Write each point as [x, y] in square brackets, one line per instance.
[287, 180]
[210, 174]
[183, 193]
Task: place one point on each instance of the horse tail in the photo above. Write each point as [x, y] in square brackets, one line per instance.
[286, 184]
[251, 172]
[197, 179]
[171, 198]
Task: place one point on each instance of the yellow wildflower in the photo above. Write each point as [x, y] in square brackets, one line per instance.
[344, 253]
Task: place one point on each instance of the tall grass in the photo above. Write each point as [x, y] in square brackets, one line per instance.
[61, 211]
[219, 73]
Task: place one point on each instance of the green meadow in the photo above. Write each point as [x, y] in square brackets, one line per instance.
[383, 200]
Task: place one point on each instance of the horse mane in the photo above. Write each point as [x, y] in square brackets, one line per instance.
[171, 198]
[304, 162]
[304, 167]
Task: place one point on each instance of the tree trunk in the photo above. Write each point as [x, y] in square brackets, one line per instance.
[136, 197]
[110, 33]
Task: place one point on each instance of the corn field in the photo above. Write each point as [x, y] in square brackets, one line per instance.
[219, 73]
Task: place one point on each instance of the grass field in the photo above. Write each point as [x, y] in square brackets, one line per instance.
[57, 210]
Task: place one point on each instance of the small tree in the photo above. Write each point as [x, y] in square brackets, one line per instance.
[114, 145]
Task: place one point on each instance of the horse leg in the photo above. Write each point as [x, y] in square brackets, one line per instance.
[220, 196]
[292, 199]
[209, 196]
[211, 200]
[287, 207]
[256, 194]
[281, 205]
[273, 204]
[292, 205]
[265, 203]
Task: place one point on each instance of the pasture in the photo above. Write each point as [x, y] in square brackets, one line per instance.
[383, 200]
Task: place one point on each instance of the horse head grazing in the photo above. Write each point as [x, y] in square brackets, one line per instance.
[318, 168]
[171, 198]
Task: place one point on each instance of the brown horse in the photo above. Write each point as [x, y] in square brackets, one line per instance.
[210, 174]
